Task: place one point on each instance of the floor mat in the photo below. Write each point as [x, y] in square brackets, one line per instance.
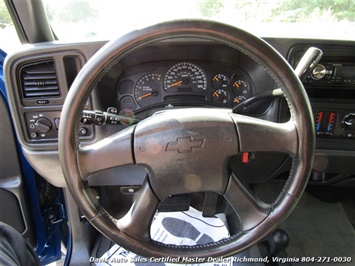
[315, 228]
[319, 229]
[179, 228]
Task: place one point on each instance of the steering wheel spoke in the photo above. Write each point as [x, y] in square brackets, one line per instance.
[251, 211]
[110, 152]
[137, 221]
[261, 135]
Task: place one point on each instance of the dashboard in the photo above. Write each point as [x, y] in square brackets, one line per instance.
[176, 83]
[169, 76]
[180, 74]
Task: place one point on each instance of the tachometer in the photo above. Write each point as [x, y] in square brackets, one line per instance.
[147, 89]
[185, 77]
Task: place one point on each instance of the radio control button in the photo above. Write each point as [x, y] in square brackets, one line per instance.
[319, 72]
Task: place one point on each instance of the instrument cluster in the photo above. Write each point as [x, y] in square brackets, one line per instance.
[183, 83]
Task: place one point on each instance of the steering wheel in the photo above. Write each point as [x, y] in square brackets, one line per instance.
[188, 150]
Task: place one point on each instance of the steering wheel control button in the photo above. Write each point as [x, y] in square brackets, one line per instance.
[112, 119]
[99, 118]
[112, 110]
[88, 117]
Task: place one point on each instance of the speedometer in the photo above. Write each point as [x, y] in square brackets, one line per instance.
[185, 77]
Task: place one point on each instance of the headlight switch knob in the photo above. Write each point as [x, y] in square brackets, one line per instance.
[43, 125]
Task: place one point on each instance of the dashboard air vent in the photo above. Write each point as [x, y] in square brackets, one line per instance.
[39, 80]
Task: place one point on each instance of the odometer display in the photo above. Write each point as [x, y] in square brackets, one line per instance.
[185, 77]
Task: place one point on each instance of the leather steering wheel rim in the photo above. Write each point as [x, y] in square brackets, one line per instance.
[299, 142]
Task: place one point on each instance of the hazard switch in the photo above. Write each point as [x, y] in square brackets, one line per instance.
[245, 157]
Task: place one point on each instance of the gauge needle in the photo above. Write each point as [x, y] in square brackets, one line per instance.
[154, 93]
[215, 78]
[236, 84]
[216, 94]
[236, 99]
[176, 83]
[145, 95]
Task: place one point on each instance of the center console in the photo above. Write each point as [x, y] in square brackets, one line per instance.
[331, 89]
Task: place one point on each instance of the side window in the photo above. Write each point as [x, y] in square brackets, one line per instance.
[8, 35]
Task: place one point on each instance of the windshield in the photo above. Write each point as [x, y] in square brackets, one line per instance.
[107, 19]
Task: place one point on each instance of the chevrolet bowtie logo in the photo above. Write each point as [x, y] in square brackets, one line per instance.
[185, 144]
